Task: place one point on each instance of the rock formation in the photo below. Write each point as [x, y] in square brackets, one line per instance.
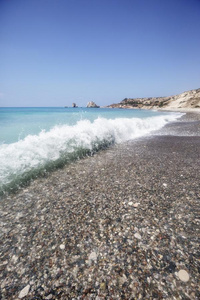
[92, 104]
[74, 105]
[184, 101]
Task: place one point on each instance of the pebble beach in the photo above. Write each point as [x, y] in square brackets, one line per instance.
[122, 224]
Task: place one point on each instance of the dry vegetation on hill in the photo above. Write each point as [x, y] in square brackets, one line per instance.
[187, 100]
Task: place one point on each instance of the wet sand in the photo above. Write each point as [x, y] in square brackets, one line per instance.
[123, 224]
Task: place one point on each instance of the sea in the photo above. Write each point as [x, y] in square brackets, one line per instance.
[38, 140]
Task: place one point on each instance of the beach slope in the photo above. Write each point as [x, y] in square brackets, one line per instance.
[123, 224]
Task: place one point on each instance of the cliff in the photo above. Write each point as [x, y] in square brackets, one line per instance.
[189, 100]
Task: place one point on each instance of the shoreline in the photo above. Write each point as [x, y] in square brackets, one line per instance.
[167, 109]
[194, 111]
[119, 225]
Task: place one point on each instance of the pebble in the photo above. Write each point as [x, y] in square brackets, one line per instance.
[62, 246]
[183, 275]
[133, 204]
[122, 280]
[93, 256]
[103, 286]
[137, 236]
[24, 292]
[14, 258]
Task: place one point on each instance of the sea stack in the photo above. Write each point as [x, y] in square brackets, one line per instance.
[92, 104]
[74, 105]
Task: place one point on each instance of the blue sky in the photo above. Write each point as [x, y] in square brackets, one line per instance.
[55, 52]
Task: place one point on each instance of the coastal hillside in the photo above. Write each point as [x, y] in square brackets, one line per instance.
[186, 101]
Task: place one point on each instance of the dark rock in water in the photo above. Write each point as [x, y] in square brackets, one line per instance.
[92, 104]
[74, 105]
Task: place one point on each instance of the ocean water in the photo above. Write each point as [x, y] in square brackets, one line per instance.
[34, 141]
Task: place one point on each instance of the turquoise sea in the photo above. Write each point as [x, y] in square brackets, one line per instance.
[36, 140]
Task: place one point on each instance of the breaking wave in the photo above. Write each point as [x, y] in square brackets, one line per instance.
[37, 154]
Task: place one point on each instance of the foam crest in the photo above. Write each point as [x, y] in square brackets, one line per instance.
[26, 158]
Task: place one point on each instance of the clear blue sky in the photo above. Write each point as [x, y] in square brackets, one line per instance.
[55, 52]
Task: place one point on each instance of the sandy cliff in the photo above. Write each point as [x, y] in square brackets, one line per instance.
[187, 101]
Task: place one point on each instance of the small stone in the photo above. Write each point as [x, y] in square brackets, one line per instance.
[136, 205]
[50, 296]
[164, 184]
[93, 256]
[14, 258]
[103, 286]
[183, 275]
[122, 279]
[130, 203]
[24, 292]
[171, 267]
[62, 246]
[137, 236]
[75, 271]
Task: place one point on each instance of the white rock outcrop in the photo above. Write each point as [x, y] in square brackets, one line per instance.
[92, 104]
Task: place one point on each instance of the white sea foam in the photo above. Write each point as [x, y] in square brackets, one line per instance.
[37, 151]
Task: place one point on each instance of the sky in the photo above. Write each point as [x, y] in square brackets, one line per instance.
[55, 52]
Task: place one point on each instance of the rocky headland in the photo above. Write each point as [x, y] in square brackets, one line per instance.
[187, 101]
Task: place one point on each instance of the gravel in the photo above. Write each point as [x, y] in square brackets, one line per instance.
[123, 224]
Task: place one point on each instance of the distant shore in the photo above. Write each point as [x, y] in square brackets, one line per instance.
[122, 224]
[186, 101]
